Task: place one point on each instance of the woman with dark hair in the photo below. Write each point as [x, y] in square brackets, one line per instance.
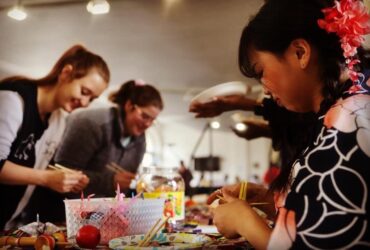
[95, 138]
[26, 106]
[299, 50]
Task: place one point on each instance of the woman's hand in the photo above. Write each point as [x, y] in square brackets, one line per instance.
[236, 218]
[220, 104]
[256, 193]
[83, 181]
[123, 178]
[63, 182]
[227, 216]
[232, 190]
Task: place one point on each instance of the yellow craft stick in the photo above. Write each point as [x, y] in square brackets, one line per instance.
[155, 232]
[241, 190]
[149, 232]
[245, 191]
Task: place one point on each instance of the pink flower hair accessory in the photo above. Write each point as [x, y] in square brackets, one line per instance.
[350, 20]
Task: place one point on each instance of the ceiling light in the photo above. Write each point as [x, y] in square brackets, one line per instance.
[98, 7]
[240, 126]
[215, 125]
[17, 13]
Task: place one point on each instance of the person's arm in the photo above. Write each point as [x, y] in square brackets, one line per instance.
[236, 218]
[255, 193]
[11, 110]
[14, 174]
[221, 104]
[253, 228]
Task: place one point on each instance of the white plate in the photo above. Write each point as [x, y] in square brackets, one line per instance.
[224, 89]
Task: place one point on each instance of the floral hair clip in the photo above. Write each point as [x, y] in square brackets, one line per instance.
[139, 82]
[350, 20]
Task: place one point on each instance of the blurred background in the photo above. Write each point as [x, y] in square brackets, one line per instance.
[180, 46]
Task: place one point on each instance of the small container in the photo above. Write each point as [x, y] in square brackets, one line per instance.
[167, 183]
[141, 215]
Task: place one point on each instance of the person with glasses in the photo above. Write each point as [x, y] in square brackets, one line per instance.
[105, 143]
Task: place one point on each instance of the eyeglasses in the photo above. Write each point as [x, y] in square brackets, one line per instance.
[145, 116]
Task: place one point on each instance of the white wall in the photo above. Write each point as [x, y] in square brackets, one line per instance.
[259, 152]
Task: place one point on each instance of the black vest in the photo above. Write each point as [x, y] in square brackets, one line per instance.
[22, 150]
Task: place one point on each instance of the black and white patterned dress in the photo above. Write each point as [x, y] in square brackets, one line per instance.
[327, 206]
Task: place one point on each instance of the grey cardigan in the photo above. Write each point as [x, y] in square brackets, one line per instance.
[92, 140]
